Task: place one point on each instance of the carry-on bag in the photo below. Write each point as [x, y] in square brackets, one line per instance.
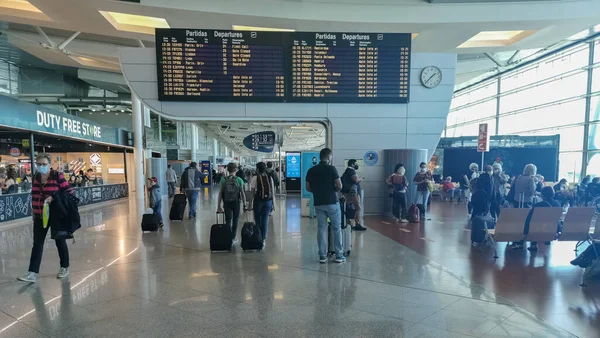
[414, 214]
[346, 233]
[150, 222]
[252, 238]
[220, 236]
[178, 207]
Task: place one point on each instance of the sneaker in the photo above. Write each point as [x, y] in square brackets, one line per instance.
[161, 225]
[323, 259]
[29, 277]
[340, 259]
[404, 220]
[359, 227]
[62, 273]
[533, 247]
[233, 241]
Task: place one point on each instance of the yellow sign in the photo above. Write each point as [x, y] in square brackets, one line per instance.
[25, 142]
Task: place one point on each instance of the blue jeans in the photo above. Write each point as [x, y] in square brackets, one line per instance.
[262, 209]
[192, 196]
[335, 217]
[157, 210]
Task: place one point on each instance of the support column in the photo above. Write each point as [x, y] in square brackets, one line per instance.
[194, 143]
[499, 90]
[138, 147]
[31, 153]
[159, 128]
[215, 149]
[588, 107]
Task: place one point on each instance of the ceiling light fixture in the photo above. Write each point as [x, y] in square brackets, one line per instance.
[20, 5]
[93, 109]
[80, 109]
[260, 29]
[134, 23]
[496, 38]
[122, 110]
[108, 110]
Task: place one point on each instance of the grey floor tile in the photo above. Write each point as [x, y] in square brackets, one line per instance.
[526, 325]
[400, 309]
[481, 308]
[428, 298]
[366, 324]
[461, 323]
[426, 331]
[20, 330]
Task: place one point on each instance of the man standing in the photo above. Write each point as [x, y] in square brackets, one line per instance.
[171, 177]
[191, 182]
[272, 174]
[324, 183]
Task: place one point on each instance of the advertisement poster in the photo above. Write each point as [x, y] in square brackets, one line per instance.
[292, 161]
[205, 168]
[309, 159]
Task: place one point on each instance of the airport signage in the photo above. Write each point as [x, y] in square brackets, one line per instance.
[483, 139]
[263, 141]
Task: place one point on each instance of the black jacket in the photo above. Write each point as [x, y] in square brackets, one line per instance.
[64, 215]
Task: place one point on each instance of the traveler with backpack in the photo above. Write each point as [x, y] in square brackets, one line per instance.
[422, 179]
[47, 184]
[191, 183]
[351, 191]
[263, 189]
[230, 195]
[324, 183]
[399, 184]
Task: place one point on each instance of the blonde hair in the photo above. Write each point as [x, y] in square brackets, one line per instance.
[530, 170]
[42, 156]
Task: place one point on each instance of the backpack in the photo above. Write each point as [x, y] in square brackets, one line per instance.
[231, 191]
[414, 214]
[273, 175]
[263, 188]
[347, 182]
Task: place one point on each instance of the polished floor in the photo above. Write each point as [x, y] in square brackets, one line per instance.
[166, 284]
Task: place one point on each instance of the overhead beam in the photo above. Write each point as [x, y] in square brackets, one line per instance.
[491, 57]
[43, 34]
[68, 40]
[513, 57]
[141, 43]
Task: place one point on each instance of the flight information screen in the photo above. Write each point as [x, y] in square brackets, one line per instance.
[220, 65]
[349, 67]
[248, 66]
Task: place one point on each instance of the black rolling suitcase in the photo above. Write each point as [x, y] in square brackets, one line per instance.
[150, 222]
[252, 238]
[220, 236]
[178, 207]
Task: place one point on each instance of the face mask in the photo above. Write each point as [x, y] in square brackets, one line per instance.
[401, 171]
[356, 167]
[489, 172]
[44, 169]
[423, 170]
[496, 171]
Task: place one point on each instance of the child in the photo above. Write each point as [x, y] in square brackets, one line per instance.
[155, 199]
[448, 188]
[230, 196]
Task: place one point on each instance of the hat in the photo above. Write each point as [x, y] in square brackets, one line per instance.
[153, 179]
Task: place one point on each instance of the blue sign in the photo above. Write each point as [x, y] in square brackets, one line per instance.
[263, 141]
[371, 157]
[309, 160]
[206, 172]
[292, 167]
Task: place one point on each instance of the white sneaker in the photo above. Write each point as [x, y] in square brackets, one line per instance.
[403, 220]
[62, 273]
[29, 277]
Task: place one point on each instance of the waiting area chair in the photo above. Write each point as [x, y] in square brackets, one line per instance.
[576, 227]
[544, 224]
[509, 227]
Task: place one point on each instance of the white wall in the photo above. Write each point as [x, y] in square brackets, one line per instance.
[356, 128]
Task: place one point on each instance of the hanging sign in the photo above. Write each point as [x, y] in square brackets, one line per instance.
[263, 141]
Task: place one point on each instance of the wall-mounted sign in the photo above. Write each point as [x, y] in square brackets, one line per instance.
[32, 117]
[24, 160]
[95, 159]
[292, 165]
[371, 157]
[116, 170]
[263, 141]
[14, 151]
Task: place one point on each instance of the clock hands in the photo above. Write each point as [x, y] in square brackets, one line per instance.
[431, 77]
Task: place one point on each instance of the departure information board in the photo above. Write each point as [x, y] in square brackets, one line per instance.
[213, 65]
[246, 66]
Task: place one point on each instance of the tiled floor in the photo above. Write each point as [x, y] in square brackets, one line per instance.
[166, 284]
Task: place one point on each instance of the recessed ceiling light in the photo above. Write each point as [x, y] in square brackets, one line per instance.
[93, 109]
[496, 38]
[134, 23]
[90, 113]
[108, 110]
[260, 29]
[122, 110]
[20, 5]
[116, 113]
[80, 109]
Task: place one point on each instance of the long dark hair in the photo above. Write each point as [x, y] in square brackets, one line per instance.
[398, 166]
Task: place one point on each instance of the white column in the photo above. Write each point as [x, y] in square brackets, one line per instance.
[194, 143]
[159, 128]
[138, 148]
[215, 149]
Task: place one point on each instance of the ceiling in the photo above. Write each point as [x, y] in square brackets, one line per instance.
[296, 136]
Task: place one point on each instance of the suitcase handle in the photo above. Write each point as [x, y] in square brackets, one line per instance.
[220, 213]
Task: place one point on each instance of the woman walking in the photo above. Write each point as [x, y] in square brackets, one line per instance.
[46, 183]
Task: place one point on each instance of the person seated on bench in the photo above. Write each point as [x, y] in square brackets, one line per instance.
[448, 189]
[587, 257]
[547, 202]
[592, 190]
[563, 194]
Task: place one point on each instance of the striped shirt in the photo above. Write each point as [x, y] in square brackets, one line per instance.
[39, 191]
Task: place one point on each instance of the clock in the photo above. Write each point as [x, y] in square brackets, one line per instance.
[431, 76]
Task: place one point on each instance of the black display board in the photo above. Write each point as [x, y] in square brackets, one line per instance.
[246, 66]
[220, 65]
[349, 67]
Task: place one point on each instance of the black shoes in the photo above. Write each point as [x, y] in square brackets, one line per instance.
[359, 227]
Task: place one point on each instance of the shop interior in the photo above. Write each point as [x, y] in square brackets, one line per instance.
[83, 163]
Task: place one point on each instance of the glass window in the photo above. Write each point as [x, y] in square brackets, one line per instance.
[569, 166]
[471, 129]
